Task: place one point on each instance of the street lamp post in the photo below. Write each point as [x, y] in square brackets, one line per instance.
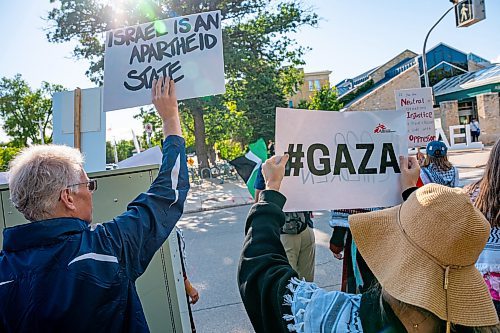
[424, 57]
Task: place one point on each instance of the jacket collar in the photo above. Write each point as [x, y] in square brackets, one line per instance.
[41, 233]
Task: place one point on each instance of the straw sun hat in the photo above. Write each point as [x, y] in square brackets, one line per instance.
[423, 253]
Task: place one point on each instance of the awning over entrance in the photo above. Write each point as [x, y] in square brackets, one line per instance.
[468, 85]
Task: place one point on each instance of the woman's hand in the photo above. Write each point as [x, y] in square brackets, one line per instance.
[410, 172]
[273, 171]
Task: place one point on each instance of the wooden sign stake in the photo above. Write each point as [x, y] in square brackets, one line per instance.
[77, 119]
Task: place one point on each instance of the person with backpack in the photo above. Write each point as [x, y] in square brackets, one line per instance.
[475, 130]
[436, 168]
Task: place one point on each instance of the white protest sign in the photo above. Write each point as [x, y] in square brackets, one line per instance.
[340, 159]
[188, 49]
[419, 111]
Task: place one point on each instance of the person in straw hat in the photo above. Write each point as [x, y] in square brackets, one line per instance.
[422, 252]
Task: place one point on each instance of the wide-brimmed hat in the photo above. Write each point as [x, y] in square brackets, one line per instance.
[423, 253]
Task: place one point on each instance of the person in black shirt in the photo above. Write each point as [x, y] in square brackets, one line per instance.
[422, 252]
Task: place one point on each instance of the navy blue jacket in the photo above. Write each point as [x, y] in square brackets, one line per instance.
[64, 275]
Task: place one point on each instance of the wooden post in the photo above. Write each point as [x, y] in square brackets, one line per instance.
[77, 119]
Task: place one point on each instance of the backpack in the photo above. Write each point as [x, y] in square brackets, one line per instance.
[296, 222]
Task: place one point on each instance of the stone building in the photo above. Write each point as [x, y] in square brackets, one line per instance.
[472, 95]
[312, 81]
[466, 86]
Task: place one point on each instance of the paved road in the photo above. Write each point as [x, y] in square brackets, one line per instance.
[213, 246]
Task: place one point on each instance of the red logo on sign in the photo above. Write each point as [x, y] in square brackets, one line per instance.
[380, 128]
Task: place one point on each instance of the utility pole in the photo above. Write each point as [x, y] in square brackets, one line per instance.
[424, 56]
[467, 12]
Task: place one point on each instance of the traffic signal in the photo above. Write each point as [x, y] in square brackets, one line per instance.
[468, 12]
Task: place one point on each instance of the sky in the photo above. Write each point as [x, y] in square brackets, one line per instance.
[352, 37]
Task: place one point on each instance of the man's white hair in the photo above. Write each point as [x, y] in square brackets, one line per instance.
[39, 174]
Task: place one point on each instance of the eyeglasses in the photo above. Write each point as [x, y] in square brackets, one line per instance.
[91, 185]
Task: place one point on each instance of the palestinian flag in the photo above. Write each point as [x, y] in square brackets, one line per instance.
[247, 165]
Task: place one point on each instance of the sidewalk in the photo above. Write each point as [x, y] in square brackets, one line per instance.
[470, 163]
[211, 195]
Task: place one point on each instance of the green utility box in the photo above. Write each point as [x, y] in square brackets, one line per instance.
[161, 287]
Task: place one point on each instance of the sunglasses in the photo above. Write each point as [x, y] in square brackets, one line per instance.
[91, 185]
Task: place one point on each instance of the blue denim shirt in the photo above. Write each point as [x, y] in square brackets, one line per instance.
[63, 275]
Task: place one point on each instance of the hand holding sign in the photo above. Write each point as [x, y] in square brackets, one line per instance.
[410, 172]
[273, 171]
[165, 102]
[340, 160]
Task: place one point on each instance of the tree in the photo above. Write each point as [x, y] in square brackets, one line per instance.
[24, 111]
[226, 125]
[303, 104]
[110, 153]
[357, 92]
[124, 149]
[325, 99]
[149, 116]
[259, 52]
[7, 153]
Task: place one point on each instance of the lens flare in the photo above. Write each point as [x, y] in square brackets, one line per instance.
[147, 10]
[160, 27]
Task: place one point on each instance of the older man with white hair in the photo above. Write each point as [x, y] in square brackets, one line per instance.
[58, 273]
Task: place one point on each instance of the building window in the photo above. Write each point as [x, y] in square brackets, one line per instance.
[317, 85]
[443, 71]
[441, 54]
[311, 85]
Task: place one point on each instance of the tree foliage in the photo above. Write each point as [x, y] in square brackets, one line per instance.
[149, 116]
[23, 109]
[325, 99]
[303, 104]
[354, 94]
[260, 57]
[124, 149]
[7, 153]
[229, 149]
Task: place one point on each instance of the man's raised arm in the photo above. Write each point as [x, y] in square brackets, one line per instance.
[139, 232]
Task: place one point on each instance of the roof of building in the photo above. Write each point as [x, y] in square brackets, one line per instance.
[318, 73]
[470, 56]
[391, 73]
[350, 85]
[466, 81]
[347, 85]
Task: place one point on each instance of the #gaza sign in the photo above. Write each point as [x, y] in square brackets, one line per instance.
[418, 107]
[187, 49]
[340, 159]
